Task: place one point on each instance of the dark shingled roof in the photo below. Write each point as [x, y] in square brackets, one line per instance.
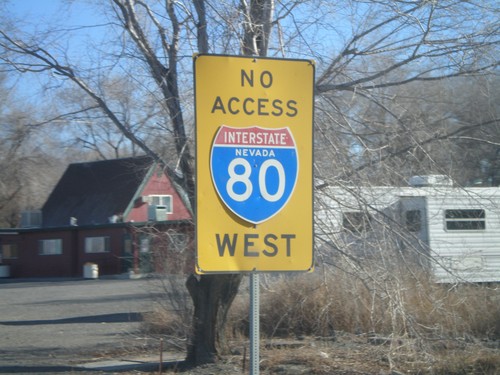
[93, 192]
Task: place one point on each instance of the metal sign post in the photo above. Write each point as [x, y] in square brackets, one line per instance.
[254, 323]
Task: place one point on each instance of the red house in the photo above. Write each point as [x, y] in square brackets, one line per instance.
[123, 215]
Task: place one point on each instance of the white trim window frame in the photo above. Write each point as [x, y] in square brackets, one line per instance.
[98, 244]
[162, 200]
[52, 246]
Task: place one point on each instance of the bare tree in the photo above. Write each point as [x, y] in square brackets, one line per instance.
[442, 127]
[27, 168]
[91, 130]
[364, 92]
[364, 50]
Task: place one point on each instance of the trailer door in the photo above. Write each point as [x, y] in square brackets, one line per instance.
[413, 217]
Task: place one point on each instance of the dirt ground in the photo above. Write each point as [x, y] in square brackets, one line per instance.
[349, 354]
[61, 326]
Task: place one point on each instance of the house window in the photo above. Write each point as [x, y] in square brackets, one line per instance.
[159, 207]
[144, 244]
[473, 219]
[356, 221]
[97, 244]
[9, 251]
[127, 245]
[413, 220]
[50, 247]
[162, 201]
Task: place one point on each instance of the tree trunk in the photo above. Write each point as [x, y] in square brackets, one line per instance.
[212, 297]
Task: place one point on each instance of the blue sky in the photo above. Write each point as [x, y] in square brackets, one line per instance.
[42, 11]
[36, 16]
[40, 15]
[35, 7]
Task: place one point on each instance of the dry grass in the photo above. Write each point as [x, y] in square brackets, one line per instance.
[388, 322]
[310, 305]
[171, 316]
[352, 354]
[476, 360]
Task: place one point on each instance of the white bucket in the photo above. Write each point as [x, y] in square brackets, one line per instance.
[4, 271]
[90, 271]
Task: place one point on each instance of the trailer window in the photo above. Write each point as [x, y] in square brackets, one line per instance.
[356, 221]
[471, 219]
[413, 220]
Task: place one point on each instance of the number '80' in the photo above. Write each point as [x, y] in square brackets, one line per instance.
[244, 178]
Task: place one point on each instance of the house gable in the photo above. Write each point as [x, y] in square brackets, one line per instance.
[106, 191]
[156, 184]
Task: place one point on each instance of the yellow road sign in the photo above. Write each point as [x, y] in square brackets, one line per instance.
[254, 136]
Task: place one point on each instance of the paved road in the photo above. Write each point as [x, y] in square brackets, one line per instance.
[48, 324]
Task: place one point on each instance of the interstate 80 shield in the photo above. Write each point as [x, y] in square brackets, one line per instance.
[254, 170]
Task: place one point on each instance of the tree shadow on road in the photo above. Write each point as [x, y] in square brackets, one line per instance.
[104, 318]
[38, 369]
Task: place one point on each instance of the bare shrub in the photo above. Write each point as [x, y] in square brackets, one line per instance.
[318, 304]
[470, 360]
[415, 323]
[391, 320]
[172, 316]
[390, 304]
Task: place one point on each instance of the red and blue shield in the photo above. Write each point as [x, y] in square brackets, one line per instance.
[254, 170]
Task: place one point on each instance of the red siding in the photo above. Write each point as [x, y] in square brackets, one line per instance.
[73, 258]
[31, 264]
[159, 184]
[109, 263]
[70, 263]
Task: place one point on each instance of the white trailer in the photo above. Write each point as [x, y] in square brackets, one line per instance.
[458, 228]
